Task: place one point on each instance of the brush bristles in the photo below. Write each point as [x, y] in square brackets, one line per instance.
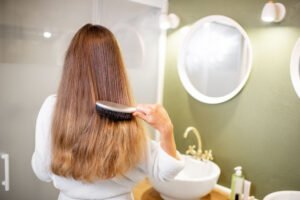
[113, 115]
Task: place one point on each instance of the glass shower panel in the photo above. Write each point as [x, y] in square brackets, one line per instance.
[137, 31]
[25, 24]
[34, 35]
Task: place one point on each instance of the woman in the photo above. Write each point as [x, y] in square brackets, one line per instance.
[88, 156]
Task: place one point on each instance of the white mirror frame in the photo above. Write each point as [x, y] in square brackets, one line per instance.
[181, 68]
[294, 67]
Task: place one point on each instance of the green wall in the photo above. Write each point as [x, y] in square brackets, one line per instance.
[259, 128]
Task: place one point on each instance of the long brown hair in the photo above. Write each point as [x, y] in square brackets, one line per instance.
[85, 145]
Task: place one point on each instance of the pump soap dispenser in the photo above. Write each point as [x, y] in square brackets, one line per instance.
[237, 174]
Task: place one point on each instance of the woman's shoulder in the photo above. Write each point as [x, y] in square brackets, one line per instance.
[48, 104]
[50, 99]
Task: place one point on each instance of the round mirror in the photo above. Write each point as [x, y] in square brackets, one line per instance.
[295, 67]
[215, 59]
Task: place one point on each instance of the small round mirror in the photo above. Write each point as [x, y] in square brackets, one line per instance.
[295, 67]
[214, 60]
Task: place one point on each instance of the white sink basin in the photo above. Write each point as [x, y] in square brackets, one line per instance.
[196, 180]
[283, 195]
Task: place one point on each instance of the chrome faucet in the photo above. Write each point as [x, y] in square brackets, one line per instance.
[199, 155]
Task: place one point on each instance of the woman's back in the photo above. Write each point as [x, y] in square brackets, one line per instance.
[157, 164]
[85, 145]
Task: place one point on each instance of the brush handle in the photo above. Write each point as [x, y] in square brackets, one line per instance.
[116, 107]
[138, 110]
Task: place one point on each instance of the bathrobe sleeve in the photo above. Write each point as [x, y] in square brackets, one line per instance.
[160, 165]
[41, 157]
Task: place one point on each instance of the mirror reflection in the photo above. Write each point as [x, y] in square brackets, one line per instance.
[216, 58]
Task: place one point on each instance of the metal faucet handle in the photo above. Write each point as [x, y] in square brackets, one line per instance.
[199, 155]
[208, 155]
[191, 150]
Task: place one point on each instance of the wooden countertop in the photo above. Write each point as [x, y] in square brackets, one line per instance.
[144, 191]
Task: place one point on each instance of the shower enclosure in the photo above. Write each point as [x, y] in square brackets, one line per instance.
[34, 35]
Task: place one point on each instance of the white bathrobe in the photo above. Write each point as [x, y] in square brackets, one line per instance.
[158, 164]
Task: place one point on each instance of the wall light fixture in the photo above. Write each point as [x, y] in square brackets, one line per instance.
[168, 21]
[273, 12]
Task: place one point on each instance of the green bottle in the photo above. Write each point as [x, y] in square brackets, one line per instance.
[238, 173]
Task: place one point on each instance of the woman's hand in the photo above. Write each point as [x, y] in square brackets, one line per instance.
[157, 117]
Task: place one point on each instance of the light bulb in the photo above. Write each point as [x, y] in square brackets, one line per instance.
[47, 34]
